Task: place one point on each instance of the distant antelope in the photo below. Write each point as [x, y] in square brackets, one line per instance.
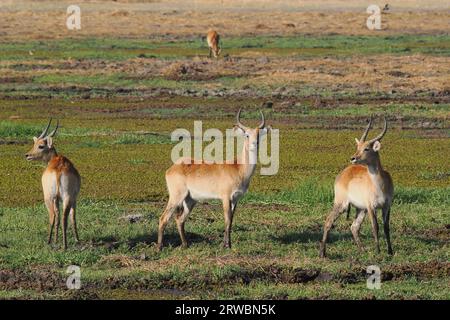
[60, 182]
[213, 39]
[365, 186]
[188, 183]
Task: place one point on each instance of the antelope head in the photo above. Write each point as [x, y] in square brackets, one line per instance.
[43, 145]
[367, 151]
[252, 135]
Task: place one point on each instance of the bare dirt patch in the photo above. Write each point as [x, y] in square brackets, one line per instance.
[418, 270]
[201, 70]
[439, 234]
[40, 279]
[18, 79]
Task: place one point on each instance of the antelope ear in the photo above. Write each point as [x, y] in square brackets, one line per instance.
[238, 130]
[376, 146]
[35, 139]
[49, 141]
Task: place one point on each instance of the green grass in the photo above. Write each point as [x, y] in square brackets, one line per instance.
[272, 244]
[309, 192]
[276, 229]
[112, 142]
[22, 131]
[143, 139]
[119, 49]
[10, 129]
[388, 109]
[344, 44]
[118, 136]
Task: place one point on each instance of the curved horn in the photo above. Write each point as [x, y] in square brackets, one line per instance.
[381, 135]
[364, 135]
[238, 121]
[263, 121]
[54, 131]
[43, 134]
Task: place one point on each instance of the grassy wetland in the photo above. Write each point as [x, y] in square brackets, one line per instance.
[119, 97]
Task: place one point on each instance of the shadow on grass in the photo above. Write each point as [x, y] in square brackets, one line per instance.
[170, 239]
[432, 241]
[109, 242]
[310, 236]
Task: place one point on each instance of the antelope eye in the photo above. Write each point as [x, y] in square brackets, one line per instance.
[367, 149]
[41, 146]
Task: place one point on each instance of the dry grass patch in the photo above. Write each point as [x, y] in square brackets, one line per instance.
[194, 18]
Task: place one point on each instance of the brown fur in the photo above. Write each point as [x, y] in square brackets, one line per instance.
[366, 186]
[61, 164]
[188, 183]
[360, 173]
[60, 182]
[213, 40]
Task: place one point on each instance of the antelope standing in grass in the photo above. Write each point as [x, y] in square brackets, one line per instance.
[366, 186]
[188, 183]
[60, 182]
[213, 39]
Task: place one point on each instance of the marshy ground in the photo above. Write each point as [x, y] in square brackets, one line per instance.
[120, 87]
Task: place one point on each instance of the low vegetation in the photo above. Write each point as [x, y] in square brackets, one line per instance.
[119, 98]
[276, 230]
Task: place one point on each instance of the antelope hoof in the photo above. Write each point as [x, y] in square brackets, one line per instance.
[159, 247]
[185, 245]
[227, 245]
[390, 251]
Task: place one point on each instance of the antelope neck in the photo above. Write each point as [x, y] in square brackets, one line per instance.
[375, 170]
[248, 161]
[50, 155]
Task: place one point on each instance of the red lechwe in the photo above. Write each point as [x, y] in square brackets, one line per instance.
[366, 186]
[188, 183]
[60, 182]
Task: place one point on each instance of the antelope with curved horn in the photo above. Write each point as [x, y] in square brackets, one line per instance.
[188, 183]
[60, 182]
[366, 186]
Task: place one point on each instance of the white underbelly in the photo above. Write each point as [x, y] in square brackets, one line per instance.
[357, 202]
[361, 198]
[201, 195]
